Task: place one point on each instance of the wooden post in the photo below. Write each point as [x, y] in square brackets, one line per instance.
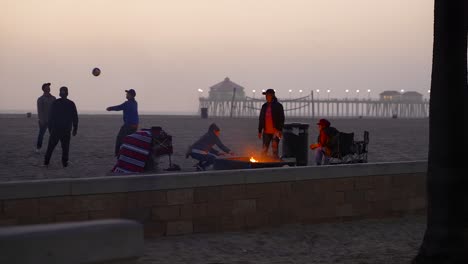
[232, 101]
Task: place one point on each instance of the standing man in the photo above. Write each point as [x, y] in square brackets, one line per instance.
[130, 118]
[43, 108]
[271, 122]
[63, 117]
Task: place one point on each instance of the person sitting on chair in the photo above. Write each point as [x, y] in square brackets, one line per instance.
[203, 151]
[323, 147]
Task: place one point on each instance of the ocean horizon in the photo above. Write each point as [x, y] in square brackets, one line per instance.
[103, 112]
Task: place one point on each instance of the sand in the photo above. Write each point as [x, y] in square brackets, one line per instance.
[91, 152]
[368, 241]
[384, 241]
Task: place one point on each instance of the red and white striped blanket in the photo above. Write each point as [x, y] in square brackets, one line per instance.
[134, 152]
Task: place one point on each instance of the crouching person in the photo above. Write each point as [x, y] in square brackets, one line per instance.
[203, 149]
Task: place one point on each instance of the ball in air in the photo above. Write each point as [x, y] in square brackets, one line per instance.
[96, 71]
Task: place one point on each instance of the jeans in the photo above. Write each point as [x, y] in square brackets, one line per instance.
[124, 131]
[55, 136]
[205, 160]
[267, 138]
[319, 155]
[42, 129]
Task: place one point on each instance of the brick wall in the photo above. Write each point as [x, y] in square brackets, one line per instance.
[232, 207]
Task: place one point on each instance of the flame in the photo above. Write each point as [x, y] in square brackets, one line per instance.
[253, 160]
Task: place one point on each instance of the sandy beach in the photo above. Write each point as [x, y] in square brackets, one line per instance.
[91, 153]
[384, 241]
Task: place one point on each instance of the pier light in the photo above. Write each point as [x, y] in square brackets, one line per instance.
[429, 91]
[402, 90]
[368, 93]
[290, 91]
[200, 90]
[328, 94]
[357, 94]
[300, 91]
[253, 93]
[263, 90]
[357, 91]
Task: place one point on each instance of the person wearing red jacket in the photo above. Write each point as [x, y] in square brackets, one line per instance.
[322, 147]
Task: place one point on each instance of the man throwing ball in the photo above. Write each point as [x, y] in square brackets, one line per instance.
[130, 118]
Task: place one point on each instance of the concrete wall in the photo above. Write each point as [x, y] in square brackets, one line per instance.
[106, 241]
[216, 201]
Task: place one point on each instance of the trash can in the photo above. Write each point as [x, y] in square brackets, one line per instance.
[296, 142]
[204, 112]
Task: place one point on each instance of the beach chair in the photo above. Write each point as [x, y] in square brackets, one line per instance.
[347, 151]
[161, 146]
[361, 148]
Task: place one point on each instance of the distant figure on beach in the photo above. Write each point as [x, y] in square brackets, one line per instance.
[43, 108]
[63, 118]
[271, 123]
[323, 147]
[130, 118]
[203, 149]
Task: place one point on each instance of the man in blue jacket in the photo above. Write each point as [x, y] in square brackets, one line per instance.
[130, 118]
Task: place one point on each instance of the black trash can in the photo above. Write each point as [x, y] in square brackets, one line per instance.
[204, 112]
[296, 142]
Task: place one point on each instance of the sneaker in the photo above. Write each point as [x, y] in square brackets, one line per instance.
[66, 164]
[200, 168]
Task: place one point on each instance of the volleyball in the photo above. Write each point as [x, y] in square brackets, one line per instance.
[96, 71]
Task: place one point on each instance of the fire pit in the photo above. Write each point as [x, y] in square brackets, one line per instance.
[249, 163]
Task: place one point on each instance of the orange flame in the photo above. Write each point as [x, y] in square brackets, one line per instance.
[253, 160]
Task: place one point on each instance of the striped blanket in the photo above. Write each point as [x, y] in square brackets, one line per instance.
[134, 152]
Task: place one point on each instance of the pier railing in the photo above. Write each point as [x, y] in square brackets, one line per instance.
[308, 106]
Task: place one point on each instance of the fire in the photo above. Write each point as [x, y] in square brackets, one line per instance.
[253, 160]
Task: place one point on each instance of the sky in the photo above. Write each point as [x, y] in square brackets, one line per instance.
[167, 50]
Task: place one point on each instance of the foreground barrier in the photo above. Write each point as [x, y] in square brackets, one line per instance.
[103, 241]
[217, 201]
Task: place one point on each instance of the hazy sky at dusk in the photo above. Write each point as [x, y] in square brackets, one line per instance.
[166, 50]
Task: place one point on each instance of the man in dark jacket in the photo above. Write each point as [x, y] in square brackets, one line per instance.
[63, 117]
[43, 108]
[130, 118]
[203, 151]
[271, 123]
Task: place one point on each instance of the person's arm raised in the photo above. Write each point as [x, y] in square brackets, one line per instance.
[117, 107]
